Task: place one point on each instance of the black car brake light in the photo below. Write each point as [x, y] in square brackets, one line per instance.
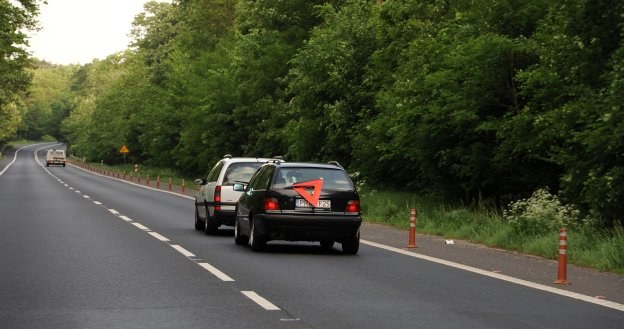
[353, 206]
[270, 204]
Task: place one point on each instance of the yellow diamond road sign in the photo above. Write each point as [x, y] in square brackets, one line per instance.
[124, 149]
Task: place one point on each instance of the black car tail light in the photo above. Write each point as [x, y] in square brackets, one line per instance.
[270, 204]
[353, 206]
[217, 197]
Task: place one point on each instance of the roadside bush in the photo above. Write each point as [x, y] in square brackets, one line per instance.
[540, 214]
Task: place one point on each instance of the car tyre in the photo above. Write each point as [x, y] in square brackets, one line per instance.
[239, 239]
[352, 245]
[199, 224]
[210, 227]
[256, 242]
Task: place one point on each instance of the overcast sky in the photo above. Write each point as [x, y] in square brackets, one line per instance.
[77, 31]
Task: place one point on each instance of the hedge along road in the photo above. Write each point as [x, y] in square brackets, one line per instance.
[84, 250]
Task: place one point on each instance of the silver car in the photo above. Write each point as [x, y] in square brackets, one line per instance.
[216, 199]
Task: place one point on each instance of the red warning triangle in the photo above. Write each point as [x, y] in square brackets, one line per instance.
[316, 185]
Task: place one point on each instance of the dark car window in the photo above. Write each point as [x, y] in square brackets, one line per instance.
[240, 172]
[213, 175]
[262, 179]
[333, 179]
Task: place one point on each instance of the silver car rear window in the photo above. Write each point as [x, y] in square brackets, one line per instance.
[240, 172]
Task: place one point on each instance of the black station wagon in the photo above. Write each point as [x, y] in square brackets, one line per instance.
[299, 202]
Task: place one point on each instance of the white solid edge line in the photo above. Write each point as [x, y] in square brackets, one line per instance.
[260, 301]
[132, 183]
[159, 237]
[19, 149]
[593, 300]
[216, 272]
[183, 251]
[141, 226]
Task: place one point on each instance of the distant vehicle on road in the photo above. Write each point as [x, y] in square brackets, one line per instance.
[55, 157]
[299, 202]
[216, 199]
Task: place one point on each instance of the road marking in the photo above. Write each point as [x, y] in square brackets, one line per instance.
[141, 226]
[71, 188]
[159, 237]
[593, 300]
[183, 251]
[113, 211]
[260, 301]
[77, 191]
[86, 196]
[216, 272]
[125, 218]
[97, 203]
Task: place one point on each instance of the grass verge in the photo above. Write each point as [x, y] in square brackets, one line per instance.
[587, 246]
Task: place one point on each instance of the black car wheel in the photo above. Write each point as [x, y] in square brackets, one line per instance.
[199, 224]
[256, 242]
[238, 238]
[352, 245]
[210, 227]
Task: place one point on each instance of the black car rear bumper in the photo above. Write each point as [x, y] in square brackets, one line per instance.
[291, 227]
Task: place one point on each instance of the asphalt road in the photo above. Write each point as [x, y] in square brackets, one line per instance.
[79, 250]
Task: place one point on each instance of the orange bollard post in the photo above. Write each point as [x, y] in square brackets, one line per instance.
[158, 181]
[563, 261]
[412, 233]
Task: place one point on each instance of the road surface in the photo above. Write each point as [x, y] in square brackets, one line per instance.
[79, 250]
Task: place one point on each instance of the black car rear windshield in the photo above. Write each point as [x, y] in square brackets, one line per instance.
[240, 172]
[333, 179]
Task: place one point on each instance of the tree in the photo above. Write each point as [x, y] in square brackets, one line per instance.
[15, 17]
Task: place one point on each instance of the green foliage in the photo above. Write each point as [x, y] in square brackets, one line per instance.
[541, 213]
[15, 18]
[587, 245]
[476, 102]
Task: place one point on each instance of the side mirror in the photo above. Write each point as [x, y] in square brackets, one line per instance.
[239, 187]
[201, 181]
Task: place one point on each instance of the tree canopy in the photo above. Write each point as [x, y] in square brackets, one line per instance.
[470, 100]
[16, 16]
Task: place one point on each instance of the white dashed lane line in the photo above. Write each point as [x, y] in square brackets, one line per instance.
[216, 272]
[140, 226]
[159, 237]
[125, 218]
[262, 302]
[183, 251]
